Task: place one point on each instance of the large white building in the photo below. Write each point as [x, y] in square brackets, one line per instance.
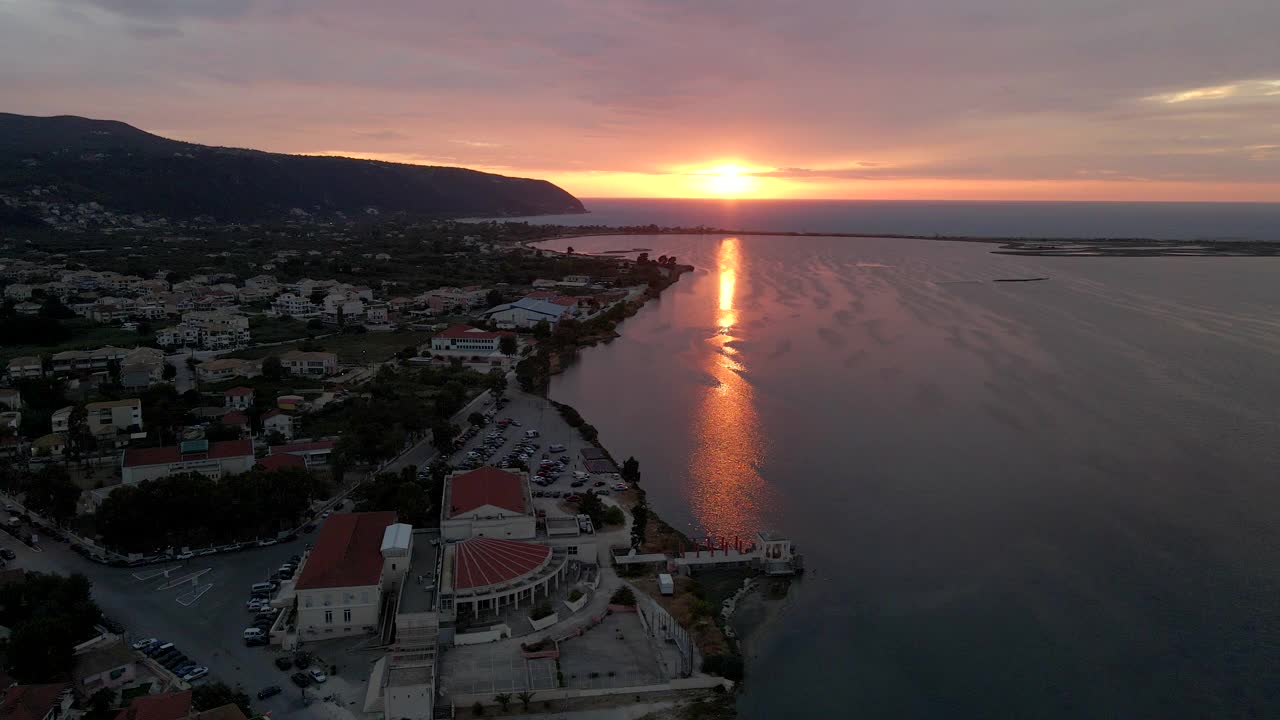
[215, 460]
[471, 345]
[531, 310]
[309, 364]
[487, 502]
[357, 557]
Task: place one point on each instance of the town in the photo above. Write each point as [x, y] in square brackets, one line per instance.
[323, 483]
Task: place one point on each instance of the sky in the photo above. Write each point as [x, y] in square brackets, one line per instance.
[909, 99]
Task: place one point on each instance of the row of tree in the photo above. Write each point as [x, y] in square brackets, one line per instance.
[47, 616]
[192, 510]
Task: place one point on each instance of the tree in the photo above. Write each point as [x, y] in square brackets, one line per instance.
[51, 493]
[508, 345]
[614, 516]
[542, 330]
[100, 704]
[169, 372]
[642, 258]
[631, 470]
[492, 298]
[503, 699]
[497, 382]
[570, 249]
[53, 309]
[525, 697]
[209, 696]
[442, 434]
[477, 709]
[623, 596]
[272, 369]
[48, 615]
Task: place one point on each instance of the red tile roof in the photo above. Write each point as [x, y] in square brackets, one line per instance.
[235, 418]
[482, 561]
[271, 413]
[486, 486]
[304, 447]
[348, 551]
[239, 391]
[276, 462]
[135, 457]
[467, 331]
[30, 702]
[169, 706]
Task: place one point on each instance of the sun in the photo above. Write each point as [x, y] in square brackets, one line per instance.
[727, 180]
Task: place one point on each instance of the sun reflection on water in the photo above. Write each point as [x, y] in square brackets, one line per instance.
[728, 447]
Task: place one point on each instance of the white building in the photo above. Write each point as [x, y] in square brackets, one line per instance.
[294, 306]
[309, 364]
[356, 557]
[529, 311]
[487, 502]
[114, 417]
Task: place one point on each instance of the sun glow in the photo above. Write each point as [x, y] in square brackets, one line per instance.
[727, 180]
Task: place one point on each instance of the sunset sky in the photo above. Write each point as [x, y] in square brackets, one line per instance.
[938, 99]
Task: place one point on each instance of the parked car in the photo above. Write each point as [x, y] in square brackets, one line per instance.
[257, 642]
[302, 660]
[196, 673]
[8, 554]
[284, 663]
[620, 487]
[302, 680]
[318, 676]
[143, 643]
[269, 691]
[309, 528]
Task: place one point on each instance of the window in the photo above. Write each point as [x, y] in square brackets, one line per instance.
[573, 549]
[328, 617]
[393, 566]
[308, 602]
[364, 597]
[346, 615]
[328, 599]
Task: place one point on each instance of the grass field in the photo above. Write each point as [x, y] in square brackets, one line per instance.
[265, 329]
[86, 335]
[351, 349]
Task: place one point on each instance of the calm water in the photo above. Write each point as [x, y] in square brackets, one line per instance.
[1052, 499]
[1180, 221]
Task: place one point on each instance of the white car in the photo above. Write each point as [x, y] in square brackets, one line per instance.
[620, 487]
[317, 676]
[196, 673]
[255, 605]
[143, 643]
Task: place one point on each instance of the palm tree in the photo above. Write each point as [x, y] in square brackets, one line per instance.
[525, 697]
[503, 699]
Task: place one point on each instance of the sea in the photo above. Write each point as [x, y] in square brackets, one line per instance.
[1160, 221]
[1046, 499]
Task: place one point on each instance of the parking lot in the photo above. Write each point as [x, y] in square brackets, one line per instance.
[197, 604]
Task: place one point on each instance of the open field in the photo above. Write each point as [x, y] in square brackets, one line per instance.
[86, 335]
[351, 349]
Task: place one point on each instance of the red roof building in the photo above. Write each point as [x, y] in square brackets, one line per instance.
[467, 331]
[348, 551]
[483, 486]
[33, 702]
[237, 391]
[168, 706]
[315, 452]
[278, 462]
[216, 459]
[235, 419]
[483, 562]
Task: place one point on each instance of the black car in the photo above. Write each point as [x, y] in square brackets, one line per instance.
[269, 691]
[256, 641]
[284, 663]
[309, 528]
[302, 680]
[8, 554]
[302, 660]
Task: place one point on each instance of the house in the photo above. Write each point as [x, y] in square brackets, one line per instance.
[375, 313]
[230, 711]
[166, 706]
[309, 364]
[529, 311]
[236, 420]
[104, 666]
[27, 308]
[61, 419]
[10, 419]
[339, 590]
[315, 452]
[217, 459]
[72, 361]
[487, 502]
[141, 368]
[36, 702]
[52, 446]
[11, 398]
[278, 422]
[238, 398]
[227, 368]
[26, 366]
[293, 306]
[114, 417]
[448, 299]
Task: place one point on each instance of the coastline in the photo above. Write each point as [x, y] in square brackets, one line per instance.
[1027, 246]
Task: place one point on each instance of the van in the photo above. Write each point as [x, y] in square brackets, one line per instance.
[556, 448]
[260, 587]
[253, 633]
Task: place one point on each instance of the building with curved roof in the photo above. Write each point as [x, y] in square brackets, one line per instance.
[484, 575]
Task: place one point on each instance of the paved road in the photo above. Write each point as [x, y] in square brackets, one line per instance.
[209, 631]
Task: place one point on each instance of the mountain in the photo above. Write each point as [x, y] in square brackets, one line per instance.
[127, 170]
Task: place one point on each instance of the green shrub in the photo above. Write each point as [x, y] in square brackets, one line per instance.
[623, 596]
[542, 610]
[575, 595]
